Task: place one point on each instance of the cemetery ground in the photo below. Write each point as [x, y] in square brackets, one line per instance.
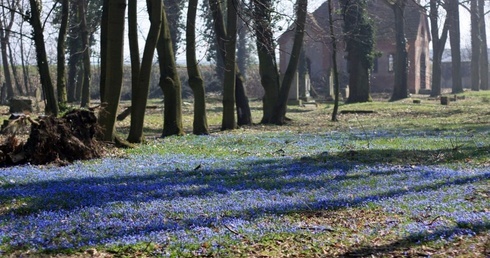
[404, 179]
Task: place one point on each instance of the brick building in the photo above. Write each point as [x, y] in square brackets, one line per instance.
[317, 48]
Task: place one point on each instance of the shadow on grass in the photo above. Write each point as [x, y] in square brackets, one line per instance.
[401, 246]
[409, 157]
[275, 175]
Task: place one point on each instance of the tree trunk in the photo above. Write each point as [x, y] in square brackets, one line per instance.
[87, 72]
[6, 24]
[269, 75]
[279, 116]
[333, 38]
[113, 59]
[455, 41]
[15, 73]
[484, 84]
[196, 83]
[61, 67]
[400, 90]
[42, 60]
[25, 70]
[5, 62]
[134, 51]
[229, 122]
[438, 44]
[242, 53]
[104, 48]
[243, 108]
[174, 13]
[169, 82]
[360, 46]
[140, 92]
[475, 46]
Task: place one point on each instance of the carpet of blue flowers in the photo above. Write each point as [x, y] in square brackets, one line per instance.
[196, 189]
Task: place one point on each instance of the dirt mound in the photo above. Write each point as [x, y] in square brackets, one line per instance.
[59, 140]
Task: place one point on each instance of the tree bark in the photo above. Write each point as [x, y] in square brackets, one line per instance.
[475, 46]
[87, 73]
[400, 90]
[455, 41]
[169, 82]
[229, 122]
[269, 75]
[243, 108]
[6, 24]
[360, 46]
[438, 44]
[174, 14]
[113, 59]
[196, 83]
[484, 83]
[61, 67]
[279, 116]
[336, 86]
[140, 92]
[42, 60]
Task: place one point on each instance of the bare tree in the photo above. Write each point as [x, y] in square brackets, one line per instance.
[140, 91]
[169, 82]
[200, 123]
[61, 67]
[42, 59]
[438, 42]
[112, 42]
[6, 23]
[455, 41]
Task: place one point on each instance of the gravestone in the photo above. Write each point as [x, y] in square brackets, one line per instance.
[20, 105]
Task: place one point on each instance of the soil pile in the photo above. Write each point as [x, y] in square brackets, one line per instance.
[59, 140]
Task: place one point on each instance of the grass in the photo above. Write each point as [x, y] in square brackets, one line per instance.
[407, 180]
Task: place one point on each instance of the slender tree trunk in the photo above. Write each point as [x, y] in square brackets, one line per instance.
[104, 48]
[140, 92]
[438, 44]
[200, 123]
[242, 43]
[484, 83]
[269, 75]
[5, 62]
[134, 51]
[455, 41]
[174, 12]
[229, 122]
[87, 72]
[42, 60]
[400, 90]
[15, 73]
[279, 116]
[25, 70]
[169, 82]
[475, 46]
[333, 38]
[61, 67]
[113, 59]
[243, 108]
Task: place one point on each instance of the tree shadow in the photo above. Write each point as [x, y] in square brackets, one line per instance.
[168, 182]
[457, 154]
[400, 246]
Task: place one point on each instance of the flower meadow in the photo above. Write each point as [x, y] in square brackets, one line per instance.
[181, 192]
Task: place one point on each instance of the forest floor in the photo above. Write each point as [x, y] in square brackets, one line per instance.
[389, 179]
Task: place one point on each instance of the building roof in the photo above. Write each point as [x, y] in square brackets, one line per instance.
[380, 12]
